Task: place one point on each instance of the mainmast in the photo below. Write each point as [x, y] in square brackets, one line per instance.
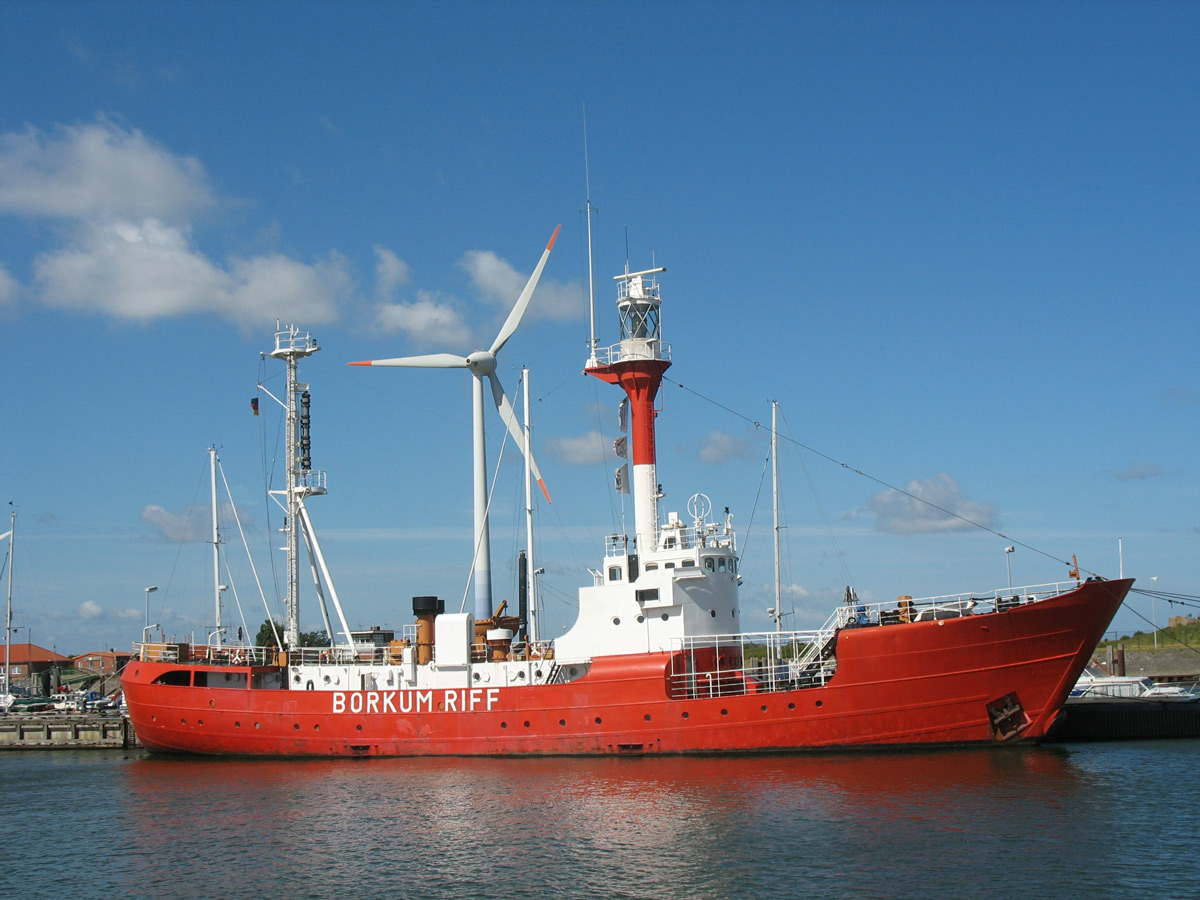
[637, 364]
[292, 345]
[216, 545]
[778, 609]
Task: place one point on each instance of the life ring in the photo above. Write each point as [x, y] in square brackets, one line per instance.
[536, 651]
[238, 659]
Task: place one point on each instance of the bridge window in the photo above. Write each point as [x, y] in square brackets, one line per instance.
[614, 573]
[708, 564]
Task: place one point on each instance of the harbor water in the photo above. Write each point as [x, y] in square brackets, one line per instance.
[1091, 821]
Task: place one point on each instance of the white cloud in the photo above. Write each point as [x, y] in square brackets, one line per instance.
[148, 270]
[429, 319]
[192, 524]
[98, 171]
[934, 505]
[89, 609]
[500, 284]
[267, 288]
[1140, 472]
[390, 273]
[584, 450]
[1180, 397]
[127, 207]
[8, 287]
[719, 447]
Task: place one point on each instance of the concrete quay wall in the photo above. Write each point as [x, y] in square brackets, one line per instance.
[58, 732]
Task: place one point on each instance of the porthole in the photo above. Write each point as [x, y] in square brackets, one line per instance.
[646, 717]
[358, 727]
[199, 721]
[258, 724]
[296, 727]
[641, 619]
[616, 620]
[685, 713]
[476, 676]
[791, 706]
[237, 724]
[713, 613]
[764, 709]
[526, 724]
[597, 720]
[665, 617]
[724, 712]
[503, 724]
[562, 722]
[820, 703]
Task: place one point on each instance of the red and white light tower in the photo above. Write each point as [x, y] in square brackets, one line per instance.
[637, 364]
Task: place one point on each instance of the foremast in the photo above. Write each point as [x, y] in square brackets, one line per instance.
[292, 345]
[637, 364]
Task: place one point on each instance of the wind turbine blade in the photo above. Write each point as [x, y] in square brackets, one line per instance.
[514, 317]
[514, 428]
[431, 361]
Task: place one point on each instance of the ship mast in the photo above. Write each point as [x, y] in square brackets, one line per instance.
[216, 545]
[778, 610]
[292, 345]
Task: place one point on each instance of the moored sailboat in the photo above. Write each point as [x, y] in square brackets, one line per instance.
[656, 661]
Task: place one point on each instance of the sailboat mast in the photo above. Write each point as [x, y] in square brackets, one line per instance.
[12, 531]
[775, 507]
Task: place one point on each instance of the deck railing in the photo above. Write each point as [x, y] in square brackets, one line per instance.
[735, 664]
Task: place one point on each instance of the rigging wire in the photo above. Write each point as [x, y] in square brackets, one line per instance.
[1164, 633]
[880, 481]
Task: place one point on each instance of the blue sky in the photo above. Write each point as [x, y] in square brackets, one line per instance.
[957, 242]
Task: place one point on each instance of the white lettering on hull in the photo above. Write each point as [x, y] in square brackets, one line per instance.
[453, 700]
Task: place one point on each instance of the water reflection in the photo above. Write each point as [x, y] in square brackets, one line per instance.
[661, 827]
[1085, 822]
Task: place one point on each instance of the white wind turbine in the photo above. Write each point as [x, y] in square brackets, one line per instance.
[482, 364]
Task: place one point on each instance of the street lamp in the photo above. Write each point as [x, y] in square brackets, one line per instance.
[1008, 562]
[149, 591]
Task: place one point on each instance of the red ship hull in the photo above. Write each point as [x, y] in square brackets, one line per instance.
[1001, 677]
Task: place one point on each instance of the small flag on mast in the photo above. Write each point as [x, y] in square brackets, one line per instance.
[622, 479]
[254, 404]
[623, 414]
[620, 447]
